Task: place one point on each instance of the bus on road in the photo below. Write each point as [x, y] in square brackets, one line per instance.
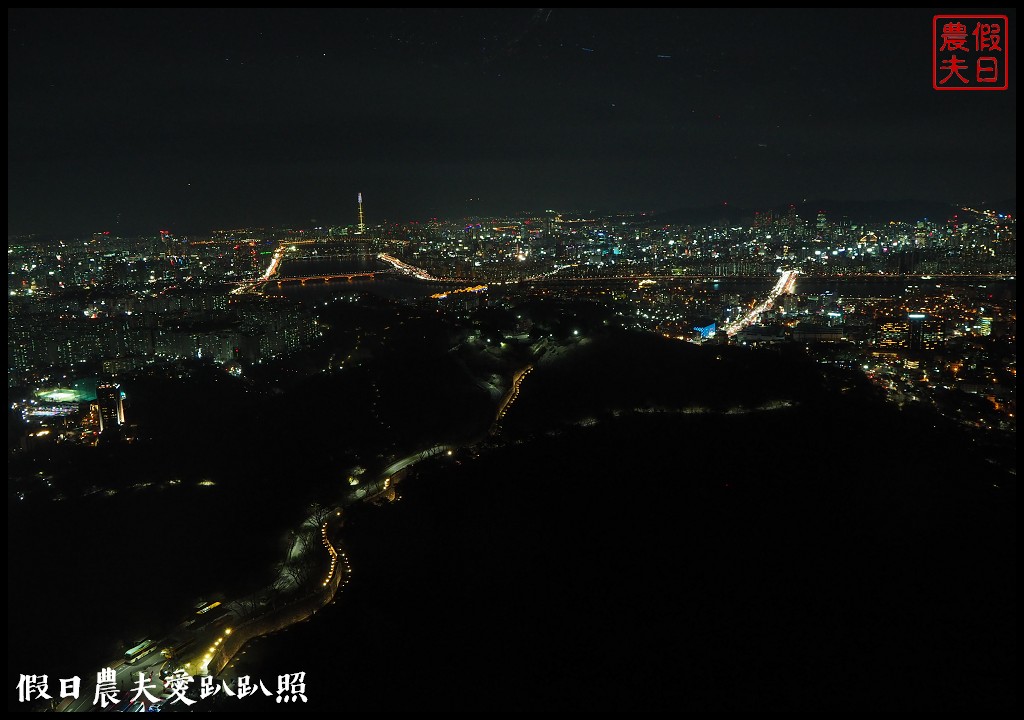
[143, 648]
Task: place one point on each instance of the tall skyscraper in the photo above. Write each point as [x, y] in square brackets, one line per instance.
[110, 399]
[984, 325]
[361, 227]
[822, 225]
[916, 327]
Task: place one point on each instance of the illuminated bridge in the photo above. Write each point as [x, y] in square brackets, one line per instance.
[368, 275]
[303, 279]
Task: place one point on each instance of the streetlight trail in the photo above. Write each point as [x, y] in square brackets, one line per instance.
[784, 285]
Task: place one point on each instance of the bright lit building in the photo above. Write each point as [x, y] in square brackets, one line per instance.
[110, 399]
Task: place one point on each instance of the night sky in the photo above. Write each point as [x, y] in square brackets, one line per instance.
[193, 120]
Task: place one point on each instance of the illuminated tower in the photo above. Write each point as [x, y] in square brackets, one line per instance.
[361, 228]
[110, 399]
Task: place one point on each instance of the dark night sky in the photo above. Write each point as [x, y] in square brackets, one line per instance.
[200, 119]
